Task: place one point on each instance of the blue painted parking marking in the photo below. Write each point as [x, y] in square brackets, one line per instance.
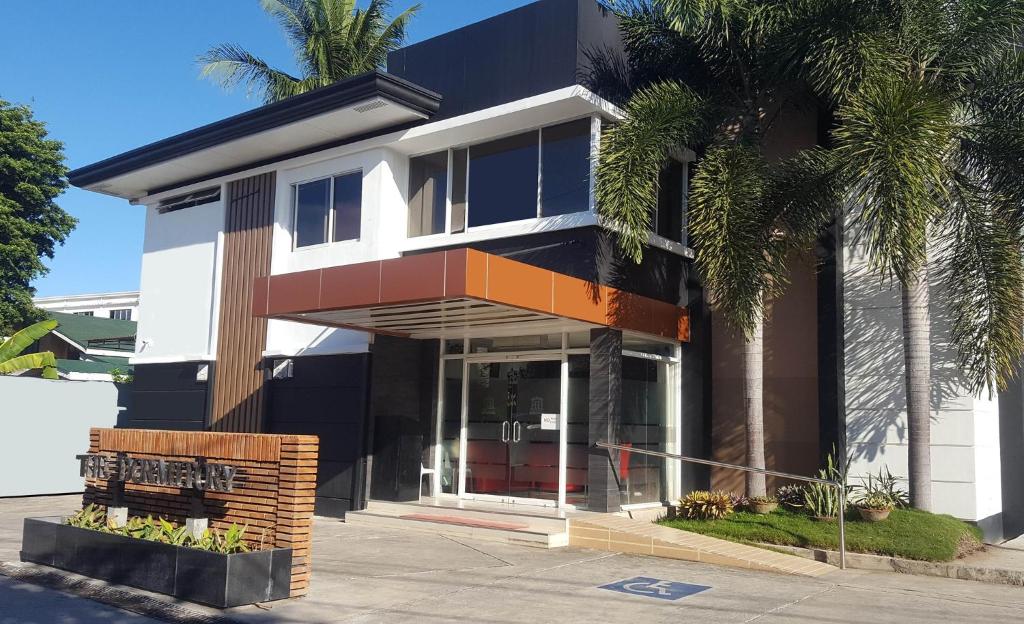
[655, 588]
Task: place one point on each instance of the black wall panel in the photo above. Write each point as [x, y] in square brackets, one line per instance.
[590, 254]
[327, 397]
[404, 402]
[530, 50]
[167, 396]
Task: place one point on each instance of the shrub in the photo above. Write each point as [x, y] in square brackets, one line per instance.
[881, 486]
[94, 517]
[822, 500]
[791, 496]
[762, 500]
[704, 505]
[876, 500]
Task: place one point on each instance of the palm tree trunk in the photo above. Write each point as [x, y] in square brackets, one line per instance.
[917, 364]
[753, 403]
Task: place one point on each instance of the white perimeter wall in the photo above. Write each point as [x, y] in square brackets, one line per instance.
[179, 283]
[965, 429]
[45, 424]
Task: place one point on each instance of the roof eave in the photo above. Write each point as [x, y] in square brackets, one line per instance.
[340, 94]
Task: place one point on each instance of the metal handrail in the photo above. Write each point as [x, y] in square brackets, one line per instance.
[707, 462]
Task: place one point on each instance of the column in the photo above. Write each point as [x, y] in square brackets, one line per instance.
[605, 415]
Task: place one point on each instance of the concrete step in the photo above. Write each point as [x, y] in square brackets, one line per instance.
[544, 519]
[482, 525]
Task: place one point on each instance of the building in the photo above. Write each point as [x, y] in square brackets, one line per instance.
[90, 348]
[409, 264]
[121, 306]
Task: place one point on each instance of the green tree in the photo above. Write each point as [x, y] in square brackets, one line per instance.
[11, 360]
[332, 40]
[930, 107]
[702, 74]
[31, 223]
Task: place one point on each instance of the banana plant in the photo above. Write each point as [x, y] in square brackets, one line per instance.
[11, 359]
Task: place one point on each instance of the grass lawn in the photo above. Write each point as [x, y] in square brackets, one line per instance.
[907, 533]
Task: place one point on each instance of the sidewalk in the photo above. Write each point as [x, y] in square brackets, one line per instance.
[385, 575]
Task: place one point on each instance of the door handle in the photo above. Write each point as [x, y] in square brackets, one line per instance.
[504, 431]
[517, 431]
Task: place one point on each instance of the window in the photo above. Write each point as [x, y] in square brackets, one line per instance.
[670, 217]
[321, 203]
[503, 180]
[88, 313]
[565, 168]
[428, 193]
[197, 198]
[541, 173]
[124, 314]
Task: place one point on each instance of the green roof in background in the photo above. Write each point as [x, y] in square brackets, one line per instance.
[101, 365]
[91, 331]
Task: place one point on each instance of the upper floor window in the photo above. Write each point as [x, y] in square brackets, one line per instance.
[541, 173]
[88, 313]
[124, 314]
[670, 219]
[328, 210]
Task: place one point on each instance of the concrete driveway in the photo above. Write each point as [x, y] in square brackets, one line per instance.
[381, 575]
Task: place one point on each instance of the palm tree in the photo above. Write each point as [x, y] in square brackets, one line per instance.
[700, 75]
[930, 98]
[332, 40]
[11, 361]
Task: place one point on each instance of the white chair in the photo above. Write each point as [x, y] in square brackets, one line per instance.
[424, 472]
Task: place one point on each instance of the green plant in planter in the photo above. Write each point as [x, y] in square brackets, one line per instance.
[876, 500]
[94, 517]
[705, 505]
[91, 517]
[791, 496]
[762, 504]
[822, 500]
[883, 484]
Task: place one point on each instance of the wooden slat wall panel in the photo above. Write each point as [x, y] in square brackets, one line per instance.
[238, 379]
[273, 494]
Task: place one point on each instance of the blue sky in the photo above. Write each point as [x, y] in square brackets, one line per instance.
[113, 75]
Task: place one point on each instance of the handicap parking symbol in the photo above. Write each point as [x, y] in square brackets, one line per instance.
[655, 588]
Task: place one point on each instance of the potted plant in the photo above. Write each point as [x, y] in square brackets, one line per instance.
[875, 506]
[220, 568]
[762, 504]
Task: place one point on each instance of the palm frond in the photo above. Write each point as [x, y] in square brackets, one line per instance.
[894, 142]
[732, 229]
[980, 32]
[231, 65]
[983, 270]
[659, 119]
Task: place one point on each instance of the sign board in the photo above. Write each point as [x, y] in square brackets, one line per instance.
[549, 422]
[655, 588]
[266, 482]
[199, 474]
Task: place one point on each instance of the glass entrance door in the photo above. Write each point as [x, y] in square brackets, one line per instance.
[513, 429]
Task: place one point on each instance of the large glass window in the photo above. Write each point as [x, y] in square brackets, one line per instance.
[646, 424]
[503, 180]
[565, 168]
[320, 203]
[428, 191]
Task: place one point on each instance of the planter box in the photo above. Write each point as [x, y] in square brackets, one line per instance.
[187, 573]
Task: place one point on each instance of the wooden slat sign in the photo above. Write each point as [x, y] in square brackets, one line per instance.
[272, 492]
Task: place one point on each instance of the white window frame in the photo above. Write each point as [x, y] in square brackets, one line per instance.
[574, 219]
[329, 234]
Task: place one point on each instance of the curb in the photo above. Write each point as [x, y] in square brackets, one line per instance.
[879, 563]
[134, 601]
